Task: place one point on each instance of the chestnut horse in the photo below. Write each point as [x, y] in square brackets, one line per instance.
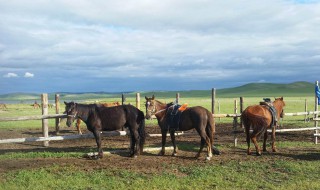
[100, 118]
[35, 105]
[3, 106]
[197, 118]
[259, 118]
[108, 104]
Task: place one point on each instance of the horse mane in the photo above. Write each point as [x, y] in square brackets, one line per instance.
[82, 107]
[164, 104]
[279, 101]
[279, 104]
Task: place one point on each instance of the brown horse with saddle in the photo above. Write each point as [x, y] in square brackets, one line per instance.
[259, 118]
[171, 119]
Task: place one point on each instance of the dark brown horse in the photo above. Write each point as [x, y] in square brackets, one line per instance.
[259, 118]
[197, 118]
[100, 118]
[108, 104]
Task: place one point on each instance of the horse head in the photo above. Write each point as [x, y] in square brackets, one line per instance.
[150, 107]
[71, 111]
[279, 104]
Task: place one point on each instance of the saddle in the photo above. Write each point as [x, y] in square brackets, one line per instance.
[173, 116]
[267, 102]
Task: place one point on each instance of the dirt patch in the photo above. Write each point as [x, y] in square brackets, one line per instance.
[149, 162]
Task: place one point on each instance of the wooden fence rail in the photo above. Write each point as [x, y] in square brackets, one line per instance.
[45, 116]
[35, 117]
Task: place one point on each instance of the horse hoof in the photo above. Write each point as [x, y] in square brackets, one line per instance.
[215, 151]
[161, 153]
[174, 154]
[94, 157]
[258, 153]
[208, 158]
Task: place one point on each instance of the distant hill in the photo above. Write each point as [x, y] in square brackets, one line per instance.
[296, 89]
[269, 89]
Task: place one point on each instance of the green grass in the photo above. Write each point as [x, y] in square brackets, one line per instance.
[231, 175]
[44, 154]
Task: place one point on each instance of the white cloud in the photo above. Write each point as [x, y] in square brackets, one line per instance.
[28, 75]
[100, 38]
[10, 75]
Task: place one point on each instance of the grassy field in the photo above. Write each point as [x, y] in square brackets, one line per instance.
[280, 171]
[231, 175]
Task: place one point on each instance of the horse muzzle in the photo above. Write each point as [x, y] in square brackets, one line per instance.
[69, 122]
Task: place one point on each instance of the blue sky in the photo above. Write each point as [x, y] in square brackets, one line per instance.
[139, 45]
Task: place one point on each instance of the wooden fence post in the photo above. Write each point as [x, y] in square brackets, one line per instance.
[213, 98]
[123, 99]
[177, 98]
[241, 110]
[45, 123]
[316, 115]
[235, 123]
[219, 109]
[138, 100]
[305, 109]
[57, 103]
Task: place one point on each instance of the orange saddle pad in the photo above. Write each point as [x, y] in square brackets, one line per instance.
[183, 107]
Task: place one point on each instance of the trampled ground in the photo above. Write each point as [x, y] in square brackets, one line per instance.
[149, 162]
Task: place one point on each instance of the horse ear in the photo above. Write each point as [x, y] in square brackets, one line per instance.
[281, 98]
[153, 97]
[65, 103]
[146, 97]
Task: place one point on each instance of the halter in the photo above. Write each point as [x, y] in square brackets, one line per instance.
[74, 116]
[154, 110]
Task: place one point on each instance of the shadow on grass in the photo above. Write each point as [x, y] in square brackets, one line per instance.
[311, 155]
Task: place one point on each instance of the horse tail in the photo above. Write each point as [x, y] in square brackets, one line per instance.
[211, 129]
[141, 130]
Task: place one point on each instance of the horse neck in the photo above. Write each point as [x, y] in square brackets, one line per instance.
[279, 107]
[159, 107]
[83, 111]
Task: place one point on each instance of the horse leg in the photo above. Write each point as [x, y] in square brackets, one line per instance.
[97, 136]
[247, 127]
[164, 137]
[273, 137]
[265, 137]
[135, 144]
[204, 140]
[173, 139]
[132, 144]
[78, 126]
[256, 132]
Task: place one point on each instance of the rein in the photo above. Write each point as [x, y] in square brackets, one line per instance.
[162, 110]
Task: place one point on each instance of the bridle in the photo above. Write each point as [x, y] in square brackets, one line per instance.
[74, 115]
[154, 111]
